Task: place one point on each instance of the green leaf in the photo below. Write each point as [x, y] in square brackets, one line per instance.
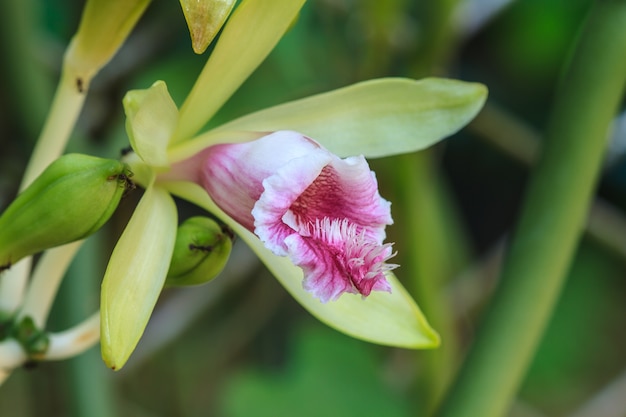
[384, 318]
[375, 118]
[343, 372]
[252, 31]
[135, 275]
[151, 117]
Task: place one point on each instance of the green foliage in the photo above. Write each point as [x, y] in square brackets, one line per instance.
[326, 374]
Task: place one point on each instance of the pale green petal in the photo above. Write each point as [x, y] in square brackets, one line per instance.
[388, 319]
[151, 117]
[135, 275]
[252, 31]
[375, 118]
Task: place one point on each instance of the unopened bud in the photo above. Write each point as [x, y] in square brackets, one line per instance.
[104, 26]
[70, 200]
[201, 251]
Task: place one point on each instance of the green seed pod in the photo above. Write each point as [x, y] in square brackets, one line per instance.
[70, 200]
[201, 251]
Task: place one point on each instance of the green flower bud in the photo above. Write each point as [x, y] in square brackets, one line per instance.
[103, 27]
[205, 18]
[70, 200]
[201, 251]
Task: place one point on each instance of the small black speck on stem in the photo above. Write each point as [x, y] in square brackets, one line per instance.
[80, 85]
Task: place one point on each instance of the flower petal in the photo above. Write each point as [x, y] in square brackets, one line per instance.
[233, 173]
[252, 31]
[337, 257]
[385, 318]
[317, 186]
[151, 117]
[135, 275]
[375, 118]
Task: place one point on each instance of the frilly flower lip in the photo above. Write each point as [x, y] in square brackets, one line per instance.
[302, 201]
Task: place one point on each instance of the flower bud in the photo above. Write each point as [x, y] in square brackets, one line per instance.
[70, 200]
[205, 18]
[103, 28]
[201, 251]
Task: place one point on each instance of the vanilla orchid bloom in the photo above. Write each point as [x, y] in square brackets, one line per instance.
[303, 202]
[315, 220]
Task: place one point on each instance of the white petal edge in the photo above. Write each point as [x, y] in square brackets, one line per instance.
[135, 275]
[383, 318]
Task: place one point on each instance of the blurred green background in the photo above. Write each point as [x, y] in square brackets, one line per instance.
[240, 346]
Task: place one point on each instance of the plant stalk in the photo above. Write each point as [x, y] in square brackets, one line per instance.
[551, 222]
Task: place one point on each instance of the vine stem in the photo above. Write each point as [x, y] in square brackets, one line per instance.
[45, 282]
[66, 106]
[551, 222]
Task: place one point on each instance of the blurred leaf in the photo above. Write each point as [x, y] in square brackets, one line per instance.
[328, 375]
[585, 335]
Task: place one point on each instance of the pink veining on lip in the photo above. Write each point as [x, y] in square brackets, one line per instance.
[302, 201]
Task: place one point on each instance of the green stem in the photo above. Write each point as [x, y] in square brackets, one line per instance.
[88, 381]
[45, 281]
[431, 230]
[438, 35]
[65, 109]
[551, 222]
[606, 224]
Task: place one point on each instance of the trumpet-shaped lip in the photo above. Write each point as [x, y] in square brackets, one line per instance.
[337, 258]
[302, 201]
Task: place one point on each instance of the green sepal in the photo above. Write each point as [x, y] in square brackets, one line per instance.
[70, 200]
[201, 251]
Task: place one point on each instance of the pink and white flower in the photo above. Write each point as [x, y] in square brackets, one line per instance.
[302, 201]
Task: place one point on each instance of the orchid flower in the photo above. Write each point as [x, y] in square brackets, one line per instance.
[303, 202]
[277, 178]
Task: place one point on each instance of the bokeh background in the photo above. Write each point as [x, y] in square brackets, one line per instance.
[240, 346]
